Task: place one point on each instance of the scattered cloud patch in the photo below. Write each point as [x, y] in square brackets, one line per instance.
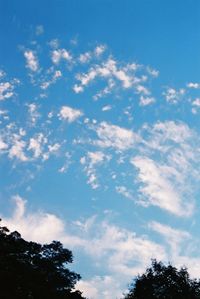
[17, 149]
[90, 163]
[86, 57]
[6, 90]
[193, 85]
[60, 54]
[31, 60]
[145, 101]
[56, 75]
[106, 108]
[69, 114]
[114, 136]
[36, 145]
[173, 96]
[7, 86]
[33, 113]
[99, 50]
[124, 192]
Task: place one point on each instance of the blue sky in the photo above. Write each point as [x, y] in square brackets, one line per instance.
[99, 133]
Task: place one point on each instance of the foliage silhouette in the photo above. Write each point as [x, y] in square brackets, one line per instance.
[29, 270]
[164, 282]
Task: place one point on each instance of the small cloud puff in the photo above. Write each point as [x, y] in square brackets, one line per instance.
[69, 114]
[31, 60]
[61, 54]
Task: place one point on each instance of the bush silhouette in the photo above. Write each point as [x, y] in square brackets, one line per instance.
[164, 282]
[29, 270]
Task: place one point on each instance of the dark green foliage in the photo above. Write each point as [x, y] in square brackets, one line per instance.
[164, 282]
[29, 270]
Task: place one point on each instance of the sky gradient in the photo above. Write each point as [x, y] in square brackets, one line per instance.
[99, 133]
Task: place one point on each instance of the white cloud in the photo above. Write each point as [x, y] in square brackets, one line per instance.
[31, 60]
[90, 162]
[158, 187]
[3, 145]
[39, 226]
[141, 89]
[57, 74]
[105, 91]
[193, 85]
[6, 90]
[196, 102]
[124, 191]
[115, 136]
[167, 153]
[17, 149]
[86, 57]
[100, 287]
[54, 148]
[152, 72]
[181, 242]
[106, 108]
[169, 131]
[114, 74]
[124, 252]
[67, 163]
[77, 88]
[59, 54]
[99, 50]
[126, 255]
[85, 79]
[70, 114]
[33, 113]
[36, 144]
[174, 237]
[144, 101]
[96, 157]
[110, 68]
[192, 263]
[173, 96]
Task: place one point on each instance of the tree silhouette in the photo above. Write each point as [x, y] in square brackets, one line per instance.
[34, 271]
[164, 282]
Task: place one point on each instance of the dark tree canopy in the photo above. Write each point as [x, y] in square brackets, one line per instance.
[164, 282]
[29, 270]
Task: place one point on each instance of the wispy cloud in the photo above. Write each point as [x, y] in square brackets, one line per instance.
[157, 187]
[90, 162]
[115, 137]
